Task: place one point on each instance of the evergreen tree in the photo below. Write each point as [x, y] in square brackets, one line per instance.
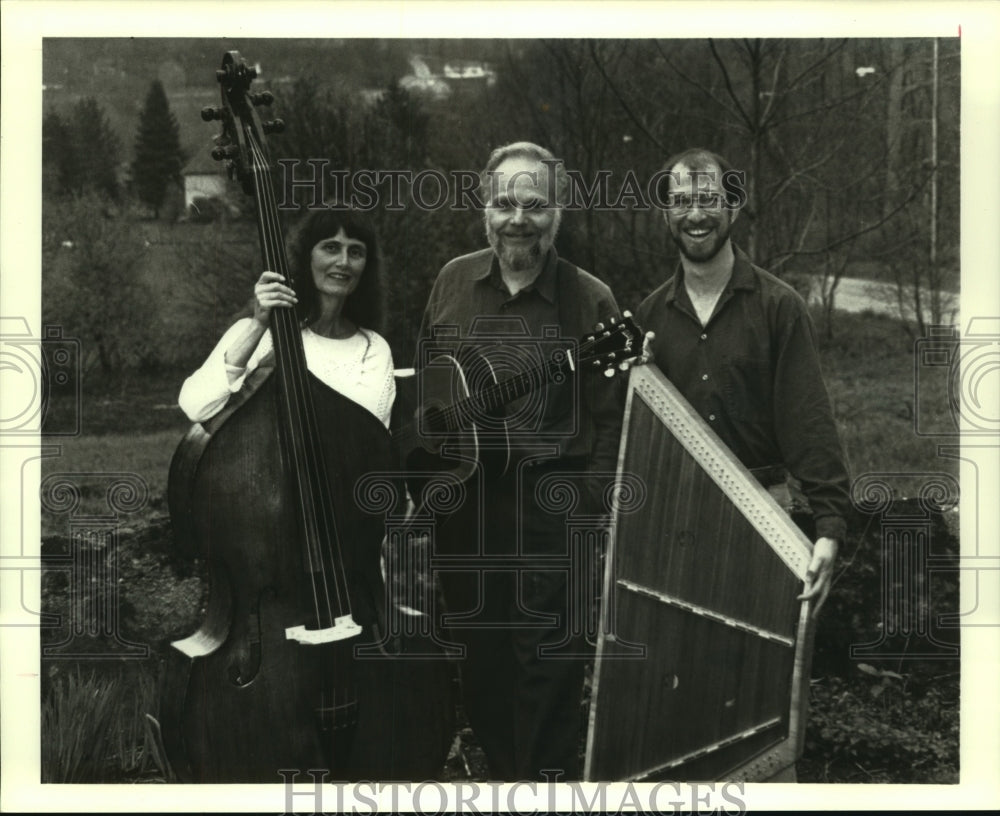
[158, 155]
[58, 157]
[80, 153]
[96, 149]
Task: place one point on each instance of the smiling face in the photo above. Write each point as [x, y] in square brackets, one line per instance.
[337, 265]
[521, 222]
[696, 216]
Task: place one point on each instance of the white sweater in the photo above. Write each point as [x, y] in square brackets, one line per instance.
[359, 367]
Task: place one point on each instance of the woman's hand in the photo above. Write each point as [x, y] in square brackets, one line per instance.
[270, 293]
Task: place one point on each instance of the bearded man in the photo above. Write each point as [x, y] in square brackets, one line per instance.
[740, 346]
[522, 671]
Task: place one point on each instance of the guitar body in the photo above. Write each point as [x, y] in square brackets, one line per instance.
[450, 441]
[460, 420]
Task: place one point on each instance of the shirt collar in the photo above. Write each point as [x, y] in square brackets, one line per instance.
[544, 284]
[742, 277]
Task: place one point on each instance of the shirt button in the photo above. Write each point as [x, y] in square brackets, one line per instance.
[704, 337]
[704, 376]
[711, 417]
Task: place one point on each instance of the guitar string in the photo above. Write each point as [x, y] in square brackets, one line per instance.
[467, 406]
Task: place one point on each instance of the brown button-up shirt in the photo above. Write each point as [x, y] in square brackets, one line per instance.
[753, 373]
[470, 310]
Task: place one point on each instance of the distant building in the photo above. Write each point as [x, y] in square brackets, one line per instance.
[205, 180]
[422, 80]
[435, 77]
[469, 69]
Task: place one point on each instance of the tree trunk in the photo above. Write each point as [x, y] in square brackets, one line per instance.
[894, 124]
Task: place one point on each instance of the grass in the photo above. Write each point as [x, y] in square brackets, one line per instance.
[130, 425]
[95, 727]
[880, 401]
[146, 455]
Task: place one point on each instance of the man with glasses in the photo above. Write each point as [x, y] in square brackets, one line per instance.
[523, 668]
[739, 344]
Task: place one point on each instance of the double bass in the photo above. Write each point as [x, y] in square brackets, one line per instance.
[264, 492]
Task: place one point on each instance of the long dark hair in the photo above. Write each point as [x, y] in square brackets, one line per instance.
[365, 304]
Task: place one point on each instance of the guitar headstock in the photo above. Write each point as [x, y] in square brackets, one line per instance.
[242, 143]
[611, 343]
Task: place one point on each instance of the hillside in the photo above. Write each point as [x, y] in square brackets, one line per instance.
[117, 71]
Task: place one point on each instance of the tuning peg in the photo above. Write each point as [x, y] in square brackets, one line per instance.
[225, 152]
[210, 113]
[626, 314]
[274, 126]
[613, 321]
[262, 98]
[599, 327]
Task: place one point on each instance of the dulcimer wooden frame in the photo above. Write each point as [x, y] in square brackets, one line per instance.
[680, 589]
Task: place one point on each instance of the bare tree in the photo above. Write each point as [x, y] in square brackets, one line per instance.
[91, 254]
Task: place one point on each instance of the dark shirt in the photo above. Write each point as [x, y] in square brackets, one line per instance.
[753, 372]
[471, 309]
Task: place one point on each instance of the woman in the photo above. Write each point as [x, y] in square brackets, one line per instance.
[334, 254]
[339, 305]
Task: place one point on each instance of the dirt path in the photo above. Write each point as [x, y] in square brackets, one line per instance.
[858, 295]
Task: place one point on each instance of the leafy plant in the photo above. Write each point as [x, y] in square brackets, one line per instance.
[877, 727]
[76, 720]
[95, 728]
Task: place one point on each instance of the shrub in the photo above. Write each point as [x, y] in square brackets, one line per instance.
[877, 727]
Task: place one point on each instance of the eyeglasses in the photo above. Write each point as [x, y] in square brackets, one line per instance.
[683, 202]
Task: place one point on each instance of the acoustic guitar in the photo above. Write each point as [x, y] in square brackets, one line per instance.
[460, 423]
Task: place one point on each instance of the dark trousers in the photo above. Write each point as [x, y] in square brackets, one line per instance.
[522, 672]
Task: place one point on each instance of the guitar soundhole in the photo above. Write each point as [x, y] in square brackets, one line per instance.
[434, 421]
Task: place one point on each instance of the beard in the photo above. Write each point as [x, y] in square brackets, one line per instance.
[522, 258]
[517, 259]
[700, 252]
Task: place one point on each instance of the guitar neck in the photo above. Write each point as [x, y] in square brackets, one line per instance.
[513, 388]
[596, 351]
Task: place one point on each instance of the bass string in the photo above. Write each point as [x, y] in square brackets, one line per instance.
[286, 353]
[331, 566]
[330, 597]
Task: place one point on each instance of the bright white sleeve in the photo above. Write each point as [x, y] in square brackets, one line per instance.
[382, 377]
[206, 391]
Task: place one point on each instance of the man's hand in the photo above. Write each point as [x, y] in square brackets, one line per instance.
[819, 575]
[645, 356]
